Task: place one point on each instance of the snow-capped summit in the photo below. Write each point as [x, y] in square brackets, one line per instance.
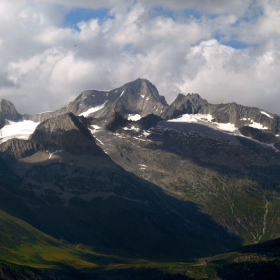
[137, 98]
[229, 113]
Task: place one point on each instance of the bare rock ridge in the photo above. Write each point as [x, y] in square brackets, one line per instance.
[67, 132]
[236, 114]
[8, 111]
[19, 148]
[140, 98]
[137, 97]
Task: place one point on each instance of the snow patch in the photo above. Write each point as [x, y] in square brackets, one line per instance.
[46, 112]
[131, 128]
[202, 118]
[143, 96]
[95, 128]
[265, 113]
[142, 166]
[92, 110]
[52, 153]
[119, 135]
[146, 133]
[134, 118]
[193, 118]
[99, 141]
[139, 139]
[184, 118]
[256, 125]
[19, 130]
[121, 94]
[226, 127]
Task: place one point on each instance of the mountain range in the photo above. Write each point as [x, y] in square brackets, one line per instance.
[128, 175]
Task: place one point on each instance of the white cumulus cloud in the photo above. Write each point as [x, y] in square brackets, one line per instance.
[224, 50]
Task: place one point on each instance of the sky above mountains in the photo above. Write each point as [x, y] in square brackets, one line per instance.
[226, 51]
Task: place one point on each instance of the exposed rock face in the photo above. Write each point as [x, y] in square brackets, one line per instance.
[66, 131]
[8, 111]
[262, 136]
[137, 97]
[19, 148]
[116, 122]
[186, 104]
[238, 115]
[149, 121]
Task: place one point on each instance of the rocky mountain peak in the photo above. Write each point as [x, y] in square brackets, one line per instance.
[143, 87]
[232, 113]
[67, 132]
[191, 103]
[8, 111]
[139, 97]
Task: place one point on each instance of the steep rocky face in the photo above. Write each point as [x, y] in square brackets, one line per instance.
[65, 132]
[186, 104]
[8, 111]
[233, 113]
[19, 148]
[138, 97]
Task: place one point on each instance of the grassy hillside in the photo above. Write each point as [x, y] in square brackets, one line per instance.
[27, 253]
[22, 244]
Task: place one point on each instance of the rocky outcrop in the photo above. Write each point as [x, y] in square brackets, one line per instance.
[137, 97]
[19, 148]
[8, 111]
[116, 122]
[65, 132]
[257, 134]
[149, 121]
[236, 114]
[186, 104]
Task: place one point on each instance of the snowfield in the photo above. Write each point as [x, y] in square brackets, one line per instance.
[92, 110]
[205, 119]
[19, 130]
[265, 113]
[257, 125]
[134, 118]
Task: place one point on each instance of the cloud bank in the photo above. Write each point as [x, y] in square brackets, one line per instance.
[224, 50]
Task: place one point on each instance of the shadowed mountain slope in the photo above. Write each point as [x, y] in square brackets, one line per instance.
[69, 188]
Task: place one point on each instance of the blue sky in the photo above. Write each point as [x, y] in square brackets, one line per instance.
[77, 15]
[51, 50]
